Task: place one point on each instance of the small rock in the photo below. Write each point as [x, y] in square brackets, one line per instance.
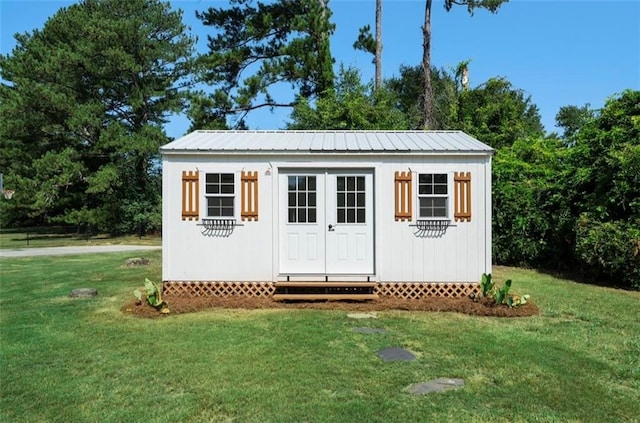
[396, 354]
[84, 293]
[436, 385]
[136, 261]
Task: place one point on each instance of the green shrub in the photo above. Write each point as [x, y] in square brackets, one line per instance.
[610, 251]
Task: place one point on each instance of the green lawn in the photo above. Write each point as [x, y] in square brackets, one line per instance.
[82, 360]
[57, 237]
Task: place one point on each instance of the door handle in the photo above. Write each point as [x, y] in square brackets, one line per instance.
[331, 228]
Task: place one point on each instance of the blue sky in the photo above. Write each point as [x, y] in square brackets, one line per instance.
[559, 52]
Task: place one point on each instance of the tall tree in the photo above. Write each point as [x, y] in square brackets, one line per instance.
[606, 160]
[409, 86]
[572, 118]
[427, 95]
[83, 104]
[367, 43]
[494, 112]
[498, 114]
[378, 57]
[352, 105]
[258, 45]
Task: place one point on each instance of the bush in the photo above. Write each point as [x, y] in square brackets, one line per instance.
[501, 295]
[610, 251]
[531, 217]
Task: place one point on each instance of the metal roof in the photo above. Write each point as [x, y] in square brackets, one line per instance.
[356, 142]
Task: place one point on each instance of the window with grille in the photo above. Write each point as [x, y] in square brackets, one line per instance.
[302, 199]
[220, 194]
[350, 199]
[432, 195]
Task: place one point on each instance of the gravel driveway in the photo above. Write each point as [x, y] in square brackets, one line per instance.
[59, 251]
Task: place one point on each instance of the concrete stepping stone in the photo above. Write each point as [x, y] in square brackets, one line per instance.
[370, 330]
[362, 316]
[84, 293]
[436, 385]
[396, 354]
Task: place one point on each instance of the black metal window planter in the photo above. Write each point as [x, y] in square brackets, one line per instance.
[431, 228]
[218, 227]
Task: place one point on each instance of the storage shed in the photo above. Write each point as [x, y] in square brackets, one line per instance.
[326, 214]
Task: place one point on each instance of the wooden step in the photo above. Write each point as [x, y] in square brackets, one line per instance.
[326, 297]
[314, 290]
[326, 284]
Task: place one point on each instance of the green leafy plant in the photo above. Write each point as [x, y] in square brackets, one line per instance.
[486, 284]
[153, 296]
[517, 300]
[501, 295]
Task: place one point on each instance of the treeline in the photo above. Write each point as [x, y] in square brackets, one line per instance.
[572, 203]
[83, 103]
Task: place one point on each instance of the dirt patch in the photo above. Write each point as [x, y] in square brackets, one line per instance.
[480, 307]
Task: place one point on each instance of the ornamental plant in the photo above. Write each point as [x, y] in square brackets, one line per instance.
[501, 295]
[153, 296]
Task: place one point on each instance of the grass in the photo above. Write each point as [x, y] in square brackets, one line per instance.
[82, 360]
[65, 236]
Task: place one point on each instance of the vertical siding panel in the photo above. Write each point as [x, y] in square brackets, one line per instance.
[461, 254]
[488, 213]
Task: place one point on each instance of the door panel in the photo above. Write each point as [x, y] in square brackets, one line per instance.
[302, 238]
[349, 208]
[326, 222]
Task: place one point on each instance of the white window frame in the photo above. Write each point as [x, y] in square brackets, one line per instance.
[307, 207]
[222, 195]
[358, 207]
[433, 195]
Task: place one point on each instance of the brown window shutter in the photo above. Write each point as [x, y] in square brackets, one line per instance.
[190, 195]
[462, 196]
[403, 195]
[249, 195]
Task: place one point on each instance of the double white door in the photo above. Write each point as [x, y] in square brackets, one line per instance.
[326, 222]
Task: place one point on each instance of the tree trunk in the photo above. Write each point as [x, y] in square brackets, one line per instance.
[378, 57]
[325, 60]
[427, 97]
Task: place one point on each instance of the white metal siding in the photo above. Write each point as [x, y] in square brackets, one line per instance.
[250, 253]
[244, 255]
[459, 255]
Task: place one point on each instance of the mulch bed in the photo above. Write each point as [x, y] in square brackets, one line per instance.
[479, 307]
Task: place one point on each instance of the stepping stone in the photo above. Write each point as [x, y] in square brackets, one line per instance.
[362, 316]
[369, 330]
[84, 293]
[436, 385]
[396, 354]
[136, 261]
